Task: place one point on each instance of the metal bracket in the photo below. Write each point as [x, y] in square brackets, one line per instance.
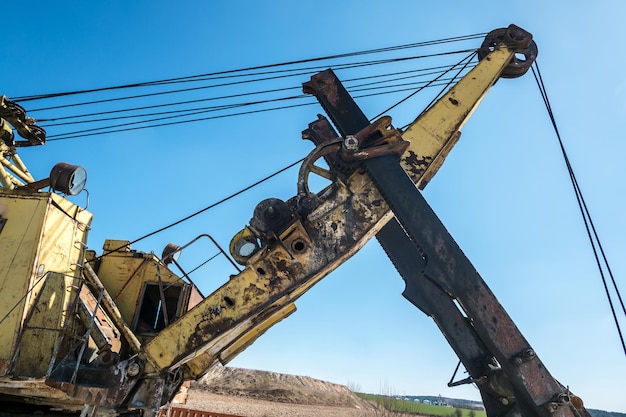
[25, 126]
[515, 38]
[431, 263]
[468, 380]
[524, 356]
[377, 139]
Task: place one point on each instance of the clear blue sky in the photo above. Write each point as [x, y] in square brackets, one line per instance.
[503, 193]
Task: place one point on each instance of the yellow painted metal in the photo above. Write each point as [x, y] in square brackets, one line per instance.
[112, 309]
[124, 272]
[435, 132]
[273, 278]
[278, 313]
[7, 180]
[346, 218]
[19, 241]
[43, 325]
[22, 171]
[224, 348]
[6, 133]
[13, 172]
[103, 331]
[189, 337]
[44, 238]
[18, 171]
[42, 246]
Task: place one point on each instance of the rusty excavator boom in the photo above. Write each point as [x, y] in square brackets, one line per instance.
[118, 333]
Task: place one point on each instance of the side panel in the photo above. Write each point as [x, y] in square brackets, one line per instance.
[61, 248]
[44, 237]
[124, 273]
[43, 326]
[19, 239]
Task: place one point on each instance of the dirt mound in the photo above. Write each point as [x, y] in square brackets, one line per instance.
[272, 386]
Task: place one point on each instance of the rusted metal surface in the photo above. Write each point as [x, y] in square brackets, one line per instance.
[423, 293]
[307, 237]
[319, 132]
[337, 103]
[345, 217]
[271, 215]
[188, 412]
[305, 199]
[111, 308]
[515, 37]
[494, 352]
[436, 303]
[103, 331]
[376, 139]
[448, 268]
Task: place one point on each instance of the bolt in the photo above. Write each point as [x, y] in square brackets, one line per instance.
[351, 143]
[525, 356]
[552, 407]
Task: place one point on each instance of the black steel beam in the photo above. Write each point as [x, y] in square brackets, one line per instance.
[437, 274]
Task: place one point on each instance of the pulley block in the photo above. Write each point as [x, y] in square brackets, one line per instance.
[519, 40]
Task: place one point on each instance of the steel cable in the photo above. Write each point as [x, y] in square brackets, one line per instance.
[468, 59]
[592, 234]
[192, 215]
[219, 73]
[43, 121]
[124, 127]
[132, 118]
[231, 196]
[387, 83]
[229, 84]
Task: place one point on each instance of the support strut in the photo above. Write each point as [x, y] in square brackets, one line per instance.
[441, 281]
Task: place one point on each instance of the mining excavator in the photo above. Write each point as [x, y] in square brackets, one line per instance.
[117, 333]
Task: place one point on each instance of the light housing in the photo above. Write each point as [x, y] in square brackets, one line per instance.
[171, 253]
[68, 179]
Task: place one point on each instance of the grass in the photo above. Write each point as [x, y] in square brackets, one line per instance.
[405, 406]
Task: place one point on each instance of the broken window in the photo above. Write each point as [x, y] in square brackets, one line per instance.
[153, 307]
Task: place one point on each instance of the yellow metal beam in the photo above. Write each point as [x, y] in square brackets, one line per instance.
[347, 216]
[436, 131]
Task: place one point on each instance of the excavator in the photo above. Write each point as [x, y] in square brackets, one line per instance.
[118, 333]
